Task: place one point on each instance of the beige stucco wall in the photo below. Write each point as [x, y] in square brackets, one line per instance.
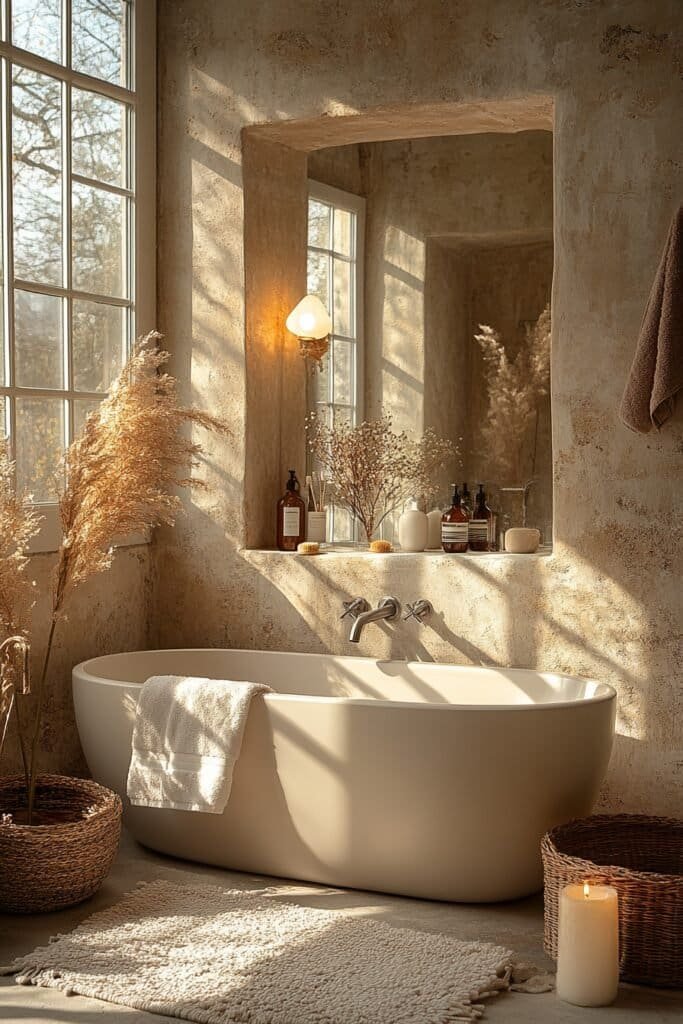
[107, 614]
[607, 602]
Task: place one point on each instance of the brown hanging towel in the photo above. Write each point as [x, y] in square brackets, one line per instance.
[657, 371]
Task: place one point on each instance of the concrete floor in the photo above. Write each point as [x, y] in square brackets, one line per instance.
[516, 925]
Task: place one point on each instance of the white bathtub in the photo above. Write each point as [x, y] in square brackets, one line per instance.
[405, 777]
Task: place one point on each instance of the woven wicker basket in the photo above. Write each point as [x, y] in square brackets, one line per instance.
[642, 857]
[47, 867]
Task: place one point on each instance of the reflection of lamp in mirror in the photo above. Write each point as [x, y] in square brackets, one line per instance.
[311, 323]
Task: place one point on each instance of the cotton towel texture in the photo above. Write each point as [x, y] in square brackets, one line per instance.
[186, 740]
[657, 371]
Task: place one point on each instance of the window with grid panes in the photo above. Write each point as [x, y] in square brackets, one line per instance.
[336, 223]
[77, 217]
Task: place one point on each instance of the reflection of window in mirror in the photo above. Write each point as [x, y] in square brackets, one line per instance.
[336, 222]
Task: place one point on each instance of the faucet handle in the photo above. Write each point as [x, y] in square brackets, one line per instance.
[354, 607]
[419, 611]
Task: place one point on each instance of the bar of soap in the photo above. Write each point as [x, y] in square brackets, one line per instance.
[308, 547]
[521, 540]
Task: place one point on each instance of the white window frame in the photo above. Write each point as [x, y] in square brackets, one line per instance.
[347, 201]
[140, 306]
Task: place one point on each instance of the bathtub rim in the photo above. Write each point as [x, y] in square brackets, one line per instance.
[81, 671]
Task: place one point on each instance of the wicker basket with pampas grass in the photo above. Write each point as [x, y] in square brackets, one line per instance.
[118, 480]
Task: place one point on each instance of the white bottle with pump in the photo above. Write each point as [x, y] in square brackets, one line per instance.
[412, 528]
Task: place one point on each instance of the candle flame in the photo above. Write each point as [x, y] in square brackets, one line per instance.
[586, 889]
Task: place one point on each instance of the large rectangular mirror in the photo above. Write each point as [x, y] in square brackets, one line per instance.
[434, 257]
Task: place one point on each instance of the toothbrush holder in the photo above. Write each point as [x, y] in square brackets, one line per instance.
[316, 528]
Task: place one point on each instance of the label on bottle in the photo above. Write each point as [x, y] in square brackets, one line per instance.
[478, 530]
[291, 522]
[454, 533]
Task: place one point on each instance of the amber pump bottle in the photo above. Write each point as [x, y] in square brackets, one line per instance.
[454, 526]
[481, 526]
[291, 516]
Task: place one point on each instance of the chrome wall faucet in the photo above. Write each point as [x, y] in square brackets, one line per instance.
[388, 608]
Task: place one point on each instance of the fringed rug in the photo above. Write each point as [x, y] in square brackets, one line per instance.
[225, 956]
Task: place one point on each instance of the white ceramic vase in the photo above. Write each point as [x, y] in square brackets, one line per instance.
[412, 529]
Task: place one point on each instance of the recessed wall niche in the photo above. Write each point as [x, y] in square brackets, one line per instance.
[458, 233]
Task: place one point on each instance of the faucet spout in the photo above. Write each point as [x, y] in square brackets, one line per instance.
[388, 608]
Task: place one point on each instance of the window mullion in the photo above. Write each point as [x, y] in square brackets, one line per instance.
[67, 274]
[8, 235]
[59, 291]
[130, 261]
[43, 66]
[330, 293]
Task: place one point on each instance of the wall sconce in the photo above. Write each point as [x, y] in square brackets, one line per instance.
[311, 323]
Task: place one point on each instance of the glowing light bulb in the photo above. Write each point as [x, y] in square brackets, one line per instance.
[309, 319]
[586, 889]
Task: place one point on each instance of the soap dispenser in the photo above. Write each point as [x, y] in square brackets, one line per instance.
[482, 524]
[412, 528]
[291, 516]
[454, 526]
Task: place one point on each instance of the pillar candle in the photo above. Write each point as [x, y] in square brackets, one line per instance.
[588, 945]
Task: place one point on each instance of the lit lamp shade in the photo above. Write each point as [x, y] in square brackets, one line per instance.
[309, 319]
[311, 323]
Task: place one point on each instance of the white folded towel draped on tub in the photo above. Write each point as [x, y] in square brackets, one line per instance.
[186, 739]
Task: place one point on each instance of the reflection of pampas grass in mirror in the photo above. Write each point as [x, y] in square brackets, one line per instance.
[515, 387]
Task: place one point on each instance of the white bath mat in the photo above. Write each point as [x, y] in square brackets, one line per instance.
[225, 956]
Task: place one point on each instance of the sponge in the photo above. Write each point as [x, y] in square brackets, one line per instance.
[308, 547]
[380, 547]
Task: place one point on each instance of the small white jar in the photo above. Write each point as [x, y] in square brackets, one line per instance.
[412, 528]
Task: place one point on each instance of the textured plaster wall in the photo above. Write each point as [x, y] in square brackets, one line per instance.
[108, 614]
[448, 349]
[344, 167]
[607, 602]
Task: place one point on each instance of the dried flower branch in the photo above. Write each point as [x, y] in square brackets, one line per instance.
[372, 469]
[18, 524]
[515, 387]
[118, 479]
[120, 471]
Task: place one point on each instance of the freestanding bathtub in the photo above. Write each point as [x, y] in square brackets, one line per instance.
[425, 780]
